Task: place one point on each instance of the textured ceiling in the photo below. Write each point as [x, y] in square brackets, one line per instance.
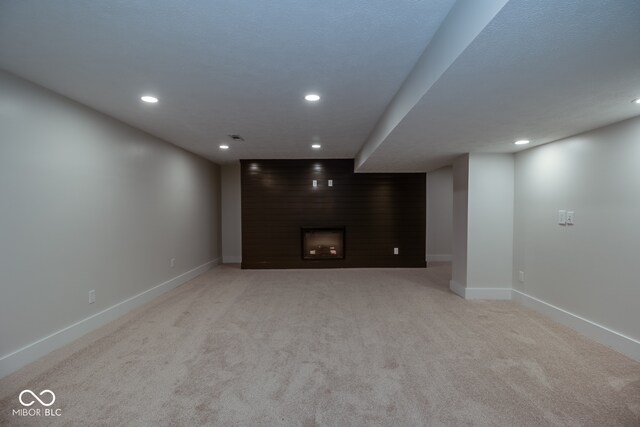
[222, 67]
[540, 70]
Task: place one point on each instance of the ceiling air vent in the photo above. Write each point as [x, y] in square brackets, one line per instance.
[236, 137]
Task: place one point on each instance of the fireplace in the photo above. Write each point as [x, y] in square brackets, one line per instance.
[322, 243]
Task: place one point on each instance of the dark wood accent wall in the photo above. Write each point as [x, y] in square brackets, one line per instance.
[379, 211]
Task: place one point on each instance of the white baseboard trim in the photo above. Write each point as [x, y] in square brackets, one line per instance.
[480, 293]
[615, 340]
[488, 293]
[34, 351]
[457, 288]
[439, 258]
[231, 259]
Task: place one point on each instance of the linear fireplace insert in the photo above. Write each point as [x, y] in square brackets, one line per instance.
[322, 242]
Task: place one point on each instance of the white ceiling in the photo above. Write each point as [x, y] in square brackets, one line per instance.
[540, 70]
[226, 66]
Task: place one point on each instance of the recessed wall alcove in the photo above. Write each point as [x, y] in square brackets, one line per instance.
[373, 213]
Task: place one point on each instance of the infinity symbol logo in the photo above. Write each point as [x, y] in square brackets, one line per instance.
[53, 398]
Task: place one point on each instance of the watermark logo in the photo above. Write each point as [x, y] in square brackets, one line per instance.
[45, 398]
[34, 396]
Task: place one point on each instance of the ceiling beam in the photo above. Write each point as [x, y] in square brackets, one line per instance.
[462, 25]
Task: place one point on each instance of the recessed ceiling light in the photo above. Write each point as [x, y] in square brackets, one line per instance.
[224, 147]
[312, 97]
[636, 101]
[522, 142]
[150, 99]
[316, 146]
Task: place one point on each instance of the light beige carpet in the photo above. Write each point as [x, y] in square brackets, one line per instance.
[361, 347]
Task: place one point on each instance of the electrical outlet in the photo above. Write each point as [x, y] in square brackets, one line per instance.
[395, 251]
[521, 276]
[172, 262]
[92, 296]
[330, 183]
[315, 182]
[562, 217]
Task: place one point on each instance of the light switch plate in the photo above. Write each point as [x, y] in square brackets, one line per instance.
[570, 217]
[395, 251]
[562, 217]
[330, 183]
[521, 276]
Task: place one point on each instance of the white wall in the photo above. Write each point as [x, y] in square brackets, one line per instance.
[490, 221]
[483, 226]
[460, 205]
[231, 214]
[590, 269]
[89, 203]
[440, 214]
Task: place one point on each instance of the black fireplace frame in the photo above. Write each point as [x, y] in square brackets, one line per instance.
[303, 231]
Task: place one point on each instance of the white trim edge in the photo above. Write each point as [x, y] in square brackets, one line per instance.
[439, 258]
[456, 288]
[480, 293]
[488, 293]
[226, 259]
[13, 361]
[615, 340]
